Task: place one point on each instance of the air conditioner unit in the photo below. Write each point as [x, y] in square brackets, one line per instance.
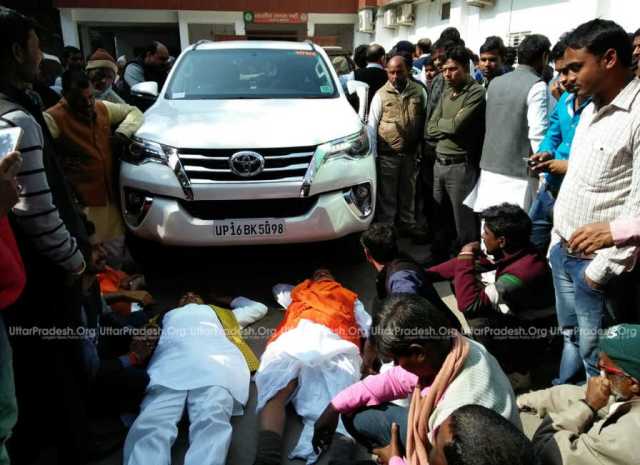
[407, 16]
[390, 18]
[365, 20]
[481, 3]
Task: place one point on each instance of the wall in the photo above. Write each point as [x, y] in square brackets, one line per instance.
[548, 17]
[276, 6]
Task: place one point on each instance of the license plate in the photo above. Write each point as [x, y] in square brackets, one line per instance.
[249, 228]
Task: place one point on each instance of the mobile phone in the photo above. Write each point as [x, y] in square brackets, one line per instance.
[531, 163]
[9, 140]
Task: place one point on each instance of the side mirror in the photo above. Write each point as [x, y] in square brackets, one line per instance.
[147, 90]
[361, 89]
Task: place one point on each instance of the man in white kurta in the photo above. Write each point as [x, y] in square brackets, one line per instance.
[196, 365]
[314, 359]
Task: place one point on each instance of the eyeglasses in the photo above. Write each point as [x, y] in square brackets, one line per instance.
[616, 372]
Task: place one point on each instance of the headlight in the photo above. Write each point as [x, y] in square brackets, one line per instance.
[145, 151]
[142, 151]
[353, 146]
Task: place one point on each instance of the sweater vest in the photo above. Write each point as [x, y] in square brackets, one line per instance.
[506, 139]
[85, 151]
[403, 115]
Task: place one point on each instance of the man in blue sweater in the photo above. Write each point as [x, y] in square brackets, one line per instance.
[553, 153]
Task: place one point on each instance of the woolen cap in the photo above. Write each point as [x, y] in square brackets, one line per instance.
[622, 344]
[102, 59]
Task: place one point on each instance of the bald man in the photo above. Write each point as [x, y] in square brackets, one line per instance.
[397, 117]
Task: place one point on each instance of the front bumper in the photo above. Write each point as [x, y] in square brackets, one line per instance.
[166, 221]
[173, 218]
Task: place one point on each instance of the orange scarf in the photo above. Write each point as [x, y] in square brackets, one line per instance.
[324, 302]
[421, 408]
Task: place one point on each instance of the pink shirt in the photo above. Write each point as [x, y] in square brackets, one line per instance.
[393, 384]
[626, 231]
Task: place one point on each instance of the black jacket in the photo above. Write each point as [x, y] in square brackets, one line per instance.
[375, 77]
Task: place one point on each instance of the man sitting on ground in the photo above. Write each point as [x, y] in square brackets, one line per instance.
[314, 353]
[397, 273]
[599, 425]
[123, 292]
[521, 285]
[442, 368]
[463, 437]
[201, 362]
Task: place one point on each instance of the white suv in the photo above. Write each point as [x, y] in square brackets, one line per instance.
[249, 143]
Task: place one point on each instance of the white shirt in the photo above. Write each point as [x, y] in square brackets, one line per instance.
[537, 113]
[194, 352]
[351, 76]
[375, 65]
[603, 179]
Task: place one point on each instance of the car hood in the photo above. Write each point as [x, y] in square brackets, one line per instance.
[249, 123]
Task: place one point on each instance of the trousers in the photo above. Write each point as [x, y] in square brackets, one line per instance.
[153, 433]
[396, 197]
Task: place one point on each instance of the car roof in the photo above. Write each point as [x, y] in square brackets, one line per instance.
[252, 44]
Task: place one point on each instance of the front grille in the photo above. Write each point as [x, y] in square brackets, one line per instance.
[207, 165]
[263, 208]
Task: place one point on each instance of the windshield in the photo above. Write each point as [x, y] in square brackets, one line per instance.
[251, 74]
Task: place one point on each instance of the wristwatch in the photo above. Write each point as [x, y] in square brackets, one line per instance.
[593, 411]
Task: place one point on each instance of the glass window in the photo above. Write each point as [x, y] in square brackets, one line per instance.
[251, 74]
[446, 11]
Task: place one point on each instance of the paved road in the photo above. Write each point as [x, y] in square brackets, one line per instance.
[252, 272]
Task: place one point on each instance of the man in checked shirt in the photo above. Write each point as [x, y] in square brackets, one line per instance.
[602, 184]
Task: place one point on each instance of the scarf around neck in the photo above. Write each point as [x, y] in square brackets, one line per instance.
[421, 408]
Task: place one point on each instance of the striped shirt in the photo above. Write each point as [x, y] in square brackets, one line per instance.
[603, 179]
[35, 211]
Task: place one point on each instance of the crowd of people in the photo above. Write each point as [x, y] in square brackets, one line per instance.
[524, 179]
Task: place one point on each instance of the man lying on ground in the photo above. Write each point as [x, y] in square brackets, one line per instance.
[442, 368]
[599, 425]
[199, 362]
[313, 355]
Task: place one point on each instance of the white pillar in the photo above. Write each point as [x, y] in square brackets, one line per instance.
[311, 28]
[69, 28]
[239, 27]
[183, 27]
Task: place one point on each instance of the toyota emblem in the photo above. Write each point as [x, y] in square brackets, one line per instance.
[246, 164]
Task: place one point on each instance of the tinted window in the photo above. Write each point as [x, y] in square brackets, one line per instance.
[247, 73]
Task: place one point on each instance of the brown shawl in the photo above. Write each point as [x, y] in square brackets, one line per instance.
[421, 407]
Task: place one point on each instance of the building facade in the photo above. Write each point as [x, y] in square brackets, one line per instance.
[123, 26]
[478, 19]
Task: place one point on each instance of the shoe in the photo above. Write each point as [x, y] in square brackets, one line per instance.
[520, 382]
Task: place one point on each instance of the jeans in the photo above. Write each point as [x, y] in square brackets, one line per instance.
[371, 426]
[541, 214]
[581, 312]
[8, 406]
